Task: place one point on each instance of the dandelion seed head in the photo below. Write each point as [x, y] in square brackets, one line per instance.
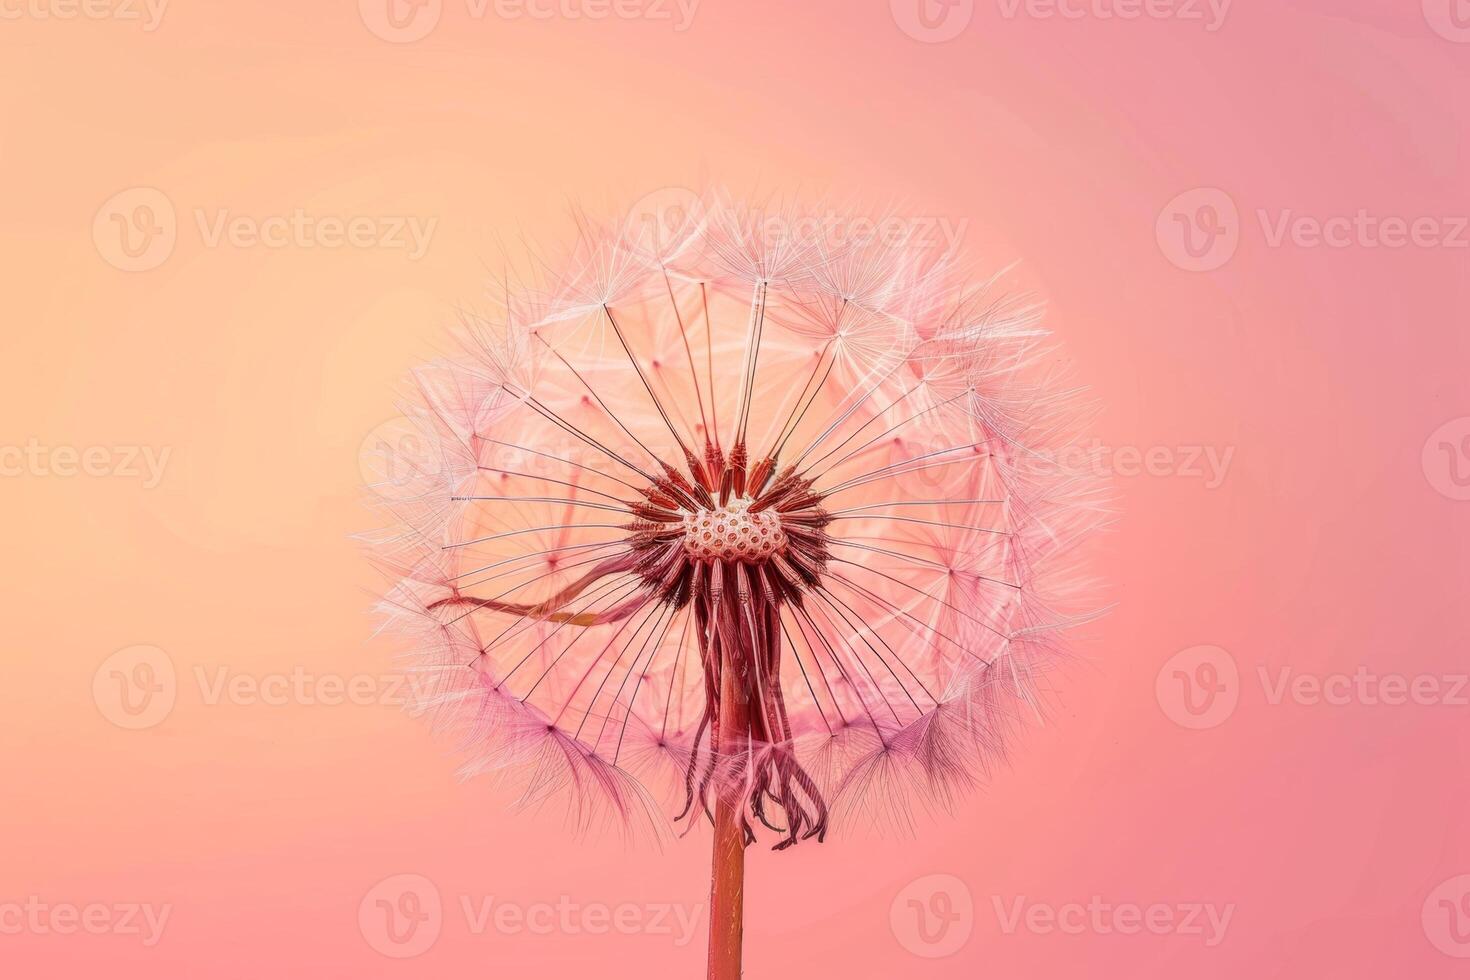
[745, 516]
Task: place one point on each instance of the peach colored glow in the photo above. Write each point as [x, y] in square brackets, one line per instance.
[229, 227]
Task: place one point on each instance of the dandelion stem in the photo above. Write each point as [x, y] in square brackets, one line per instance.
[727, 869]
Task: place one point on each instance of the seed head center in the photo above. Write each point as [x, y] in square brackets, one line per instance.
[733, 533]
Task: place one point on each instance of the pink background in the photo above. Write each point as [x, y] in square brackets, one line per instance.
[1333, 543]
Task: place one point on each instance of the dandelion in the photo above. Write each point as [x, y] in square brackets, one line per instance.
[739, 523]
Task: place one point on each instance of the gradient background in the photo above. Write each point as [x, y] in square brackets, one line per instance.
[1335, 543]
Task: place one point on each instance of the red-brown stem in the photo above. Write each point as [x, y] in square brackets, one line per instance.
[727, 870]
